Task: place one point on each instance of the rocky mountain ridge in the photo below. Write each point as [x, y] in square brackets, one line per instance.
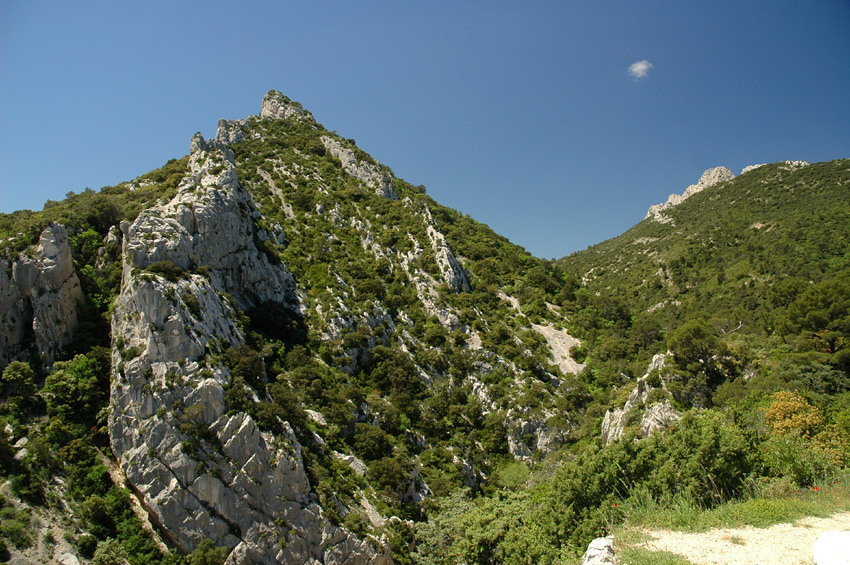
[238, 485]
[281, 238]
[710, 177]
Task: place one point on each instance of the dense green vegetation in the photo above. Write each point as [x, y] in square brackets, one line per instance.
[748, 288]
[343, 240]
[750, 297]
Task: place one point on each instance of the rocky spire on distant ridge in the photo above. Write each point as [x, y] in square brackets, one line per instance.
[709, 178]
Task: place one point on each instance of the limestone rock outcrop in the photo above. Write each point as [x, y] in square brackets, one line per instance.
[788, 165]
[709, 178]
[749, 168]
[370, 173]
[453, 274]
[654, 416]
[278, 107]
[528, 436]
[188, 265]
[40, 295]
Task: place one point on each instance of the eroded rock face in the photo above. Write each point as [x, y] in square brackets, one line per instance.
[528, 436]
[655, 416]
[279, 107]
[369, 173]
[39, 298]
[200, 472]
[709, 178]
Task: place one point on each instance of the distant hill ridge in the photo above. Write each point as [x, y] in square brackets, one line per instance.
[709, 178]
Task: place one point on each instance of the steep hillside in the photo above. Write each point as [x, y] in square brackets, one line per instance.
[275, 350]
[720, 251]
[302, 344]
[716, 337]
[754, 256]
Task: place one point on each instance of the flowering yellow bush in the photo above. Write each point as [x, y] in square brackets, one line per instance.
[790, 413]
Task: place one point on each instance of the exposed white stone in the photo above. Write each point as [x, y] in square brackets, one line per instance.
[709, 178]
[560, 342]
[316, 417]
[41, 298]
[373, 174]
[656, 416]
[530, 435]
[599, 552]
[453, 274]
[356, 464]
[796, 164]
[67, 559]
[229, 131]
[278, 107]
[832, 548]
[749, 168]
[246, 489]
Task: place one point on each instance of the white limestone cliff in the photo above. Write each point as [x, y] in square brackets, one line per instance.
[199, 471]
[40, 296]
[278, 107]
[369, 173]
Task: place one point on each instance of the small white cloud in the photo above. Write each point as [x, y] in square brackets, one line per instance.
[639, 69]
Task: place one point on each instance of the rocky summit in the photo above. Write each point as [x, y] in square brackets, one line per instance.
[165, 336]
[297, 348]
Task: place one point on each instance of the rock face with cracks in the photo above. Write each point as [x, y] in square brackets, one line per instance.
[188, 266]
[40, 296]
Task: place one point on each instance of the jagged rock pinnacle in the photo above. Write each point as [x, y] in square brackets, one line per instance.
[277, 106]
[710, 177]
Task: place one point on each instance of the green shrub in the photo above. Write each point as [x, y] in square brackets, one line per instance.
[166, 269]
[110, 552]
[15, 526]
[87, 544]
[192, 303]
[206, 553]
[388, 475]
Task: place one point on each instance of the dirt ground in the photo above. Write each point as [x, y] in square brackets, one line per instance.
[777, 545]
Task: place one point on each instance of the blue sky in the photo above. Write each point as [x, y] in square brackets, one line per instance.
[521, 114]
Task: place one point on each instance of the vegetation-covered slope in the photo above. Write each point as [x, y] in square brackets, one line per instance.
[408, 365]
[746, 290]
[760, 259]
[405, 372]
[723, 248]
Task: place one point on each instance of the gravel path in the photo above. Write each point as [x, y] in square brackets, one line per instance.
[777, 545]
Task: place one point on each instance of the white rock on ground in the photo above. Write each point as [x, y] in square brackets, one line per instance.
[560, 342]
[832, 548]
[599, 552]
